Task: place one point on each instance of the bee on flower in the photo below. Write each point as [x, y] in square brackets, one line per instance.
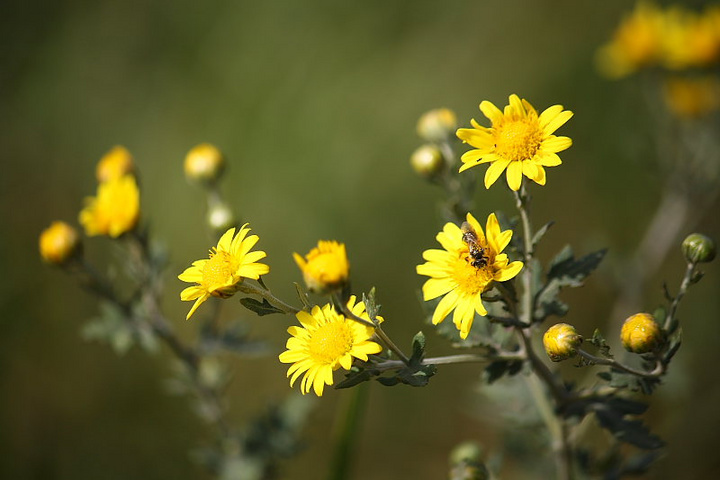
[467, 266]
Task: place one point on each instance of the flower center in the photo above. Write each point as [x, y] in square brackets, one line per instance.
[471, 280]
[518, 139]
[218, 270]
[330, 342]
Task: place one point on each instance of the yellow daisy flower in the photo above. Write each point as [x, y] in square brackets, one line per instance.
[229, 263]
[327, 341]
[519, 140]
[468, 265]
[115, 210]
[326, 267]
[114, 164]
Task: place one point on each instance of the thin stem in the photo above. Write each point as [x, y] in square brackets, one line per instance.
[349, 420]
[453, 359]
[521, 202]
[686, 281]
[267, 295]
[656, 372]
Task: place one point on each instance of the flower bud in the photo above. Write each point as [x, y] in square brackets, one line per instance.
[640, 333]
[437, 125]
[59, 243]
[561, 342]
[116, 163]
[204, 163]
[427, 161]
[699, 248]
[466, 462]
[220, 217]
[325, 268]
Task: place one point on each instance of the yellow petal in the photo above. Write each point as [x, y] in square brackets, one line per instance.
[446, 305]
[494, 171]
[514, 175]
[508, 272]
[491, 111]
[557, 122]
[555, 144]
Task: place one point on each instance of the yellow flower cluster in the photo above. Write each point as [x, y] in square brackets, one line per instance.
[674, 38]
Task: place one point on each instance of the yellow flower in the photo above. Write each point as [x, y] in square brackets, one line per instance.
[229, 263]
[468, 265]
[437, 125]
[59, 242]
[115, 210]
[204, 163]
[519, 140]
[692, 97]
[636, 43]
[326, 267]
[690, 39]
[640, 333]
[561, 342]
[115, 164]
[327, 341]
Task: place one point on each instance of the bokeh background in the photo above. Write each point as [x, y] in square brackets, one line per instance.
[315, 104]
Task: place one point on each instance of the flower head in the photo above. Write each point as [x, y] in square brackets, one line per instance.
[470, 262]
[204, 163]
[427, 161]
[692, 97]
[636, 43]
[437, 125]
[59, 243]
[561, 342]
[115, 210]
[699, 248]
[640, 333]
[326, 341]
[326, 267]
[519, 141]
[115, 164]
[229, 263]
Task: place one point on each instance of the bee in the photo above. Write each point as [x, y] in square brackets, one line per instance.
[476, 253]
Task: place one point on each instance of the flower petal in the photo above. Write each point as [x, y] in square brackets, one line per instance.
[514, 175]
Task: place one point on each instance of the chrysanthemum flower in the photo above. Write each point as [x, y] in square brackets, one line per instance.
[229, 263]
[325, 267]
[327, 341]
[114, 164]
[468, 265]
[637, 42]
[519, 140]
[115, 210]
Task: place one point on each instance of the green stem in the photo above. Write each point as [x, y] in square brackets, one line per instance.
[656, 372]
[345, 438]
[267, 295]
[453, 359]
[687, 280]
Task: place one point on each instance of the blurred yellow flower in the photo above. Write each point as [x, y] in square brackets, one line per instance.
[229, 263]
[115, 210]
[326, 341]
[636, 43]
[468, 265]
[325, 267]
[59, 242]
[519, 140]
[692, 97]
[204, 163]
[690, 39]
[437, 125]
[114, 164]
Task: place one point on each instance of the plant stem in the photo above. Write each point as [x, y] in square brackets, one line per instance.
[453, 359]
[267, 295]
[687, 279]
[349, 419]
[656, 372]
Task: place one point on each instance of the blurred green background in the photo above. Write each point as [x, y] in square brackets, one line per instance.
[315, 104]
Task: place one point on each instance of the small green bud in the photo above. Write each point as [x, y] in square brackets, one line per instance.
[220, 217]
[437, 125]
[640, 333]
[466, 462]
[561, 342]
[427, 161]
[699, 248]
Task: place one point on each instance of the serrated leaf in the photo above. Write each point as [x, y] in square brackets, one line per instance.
[260, 308]
[371, 307]
[541, 232]
[627, 430]
[357, 376]
[418, 348]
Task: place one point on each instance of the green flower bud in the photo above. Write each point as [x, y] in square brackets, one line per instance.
[640, 333]
[699, 248]
[466, 463]
[427, 161]
[561, 342]
[437, 125]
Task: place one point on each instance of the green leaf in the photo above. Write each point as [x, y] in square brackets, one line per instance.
[418, 348]
[357, 376]
[499, 368]
[564, 271]
[541, 232]
[303, 296]
[371, 307]
[626, 430]
[600, 343]
[261, 308]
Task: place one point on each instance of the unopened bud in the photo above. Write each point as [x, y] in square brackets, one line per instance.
[466, 463]
[427, 161]
[699, 248]
[59, 243]
[561, 342]
[437, 125]
[116, 163]
[640, 333]
[204, 163]
[220, 217]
